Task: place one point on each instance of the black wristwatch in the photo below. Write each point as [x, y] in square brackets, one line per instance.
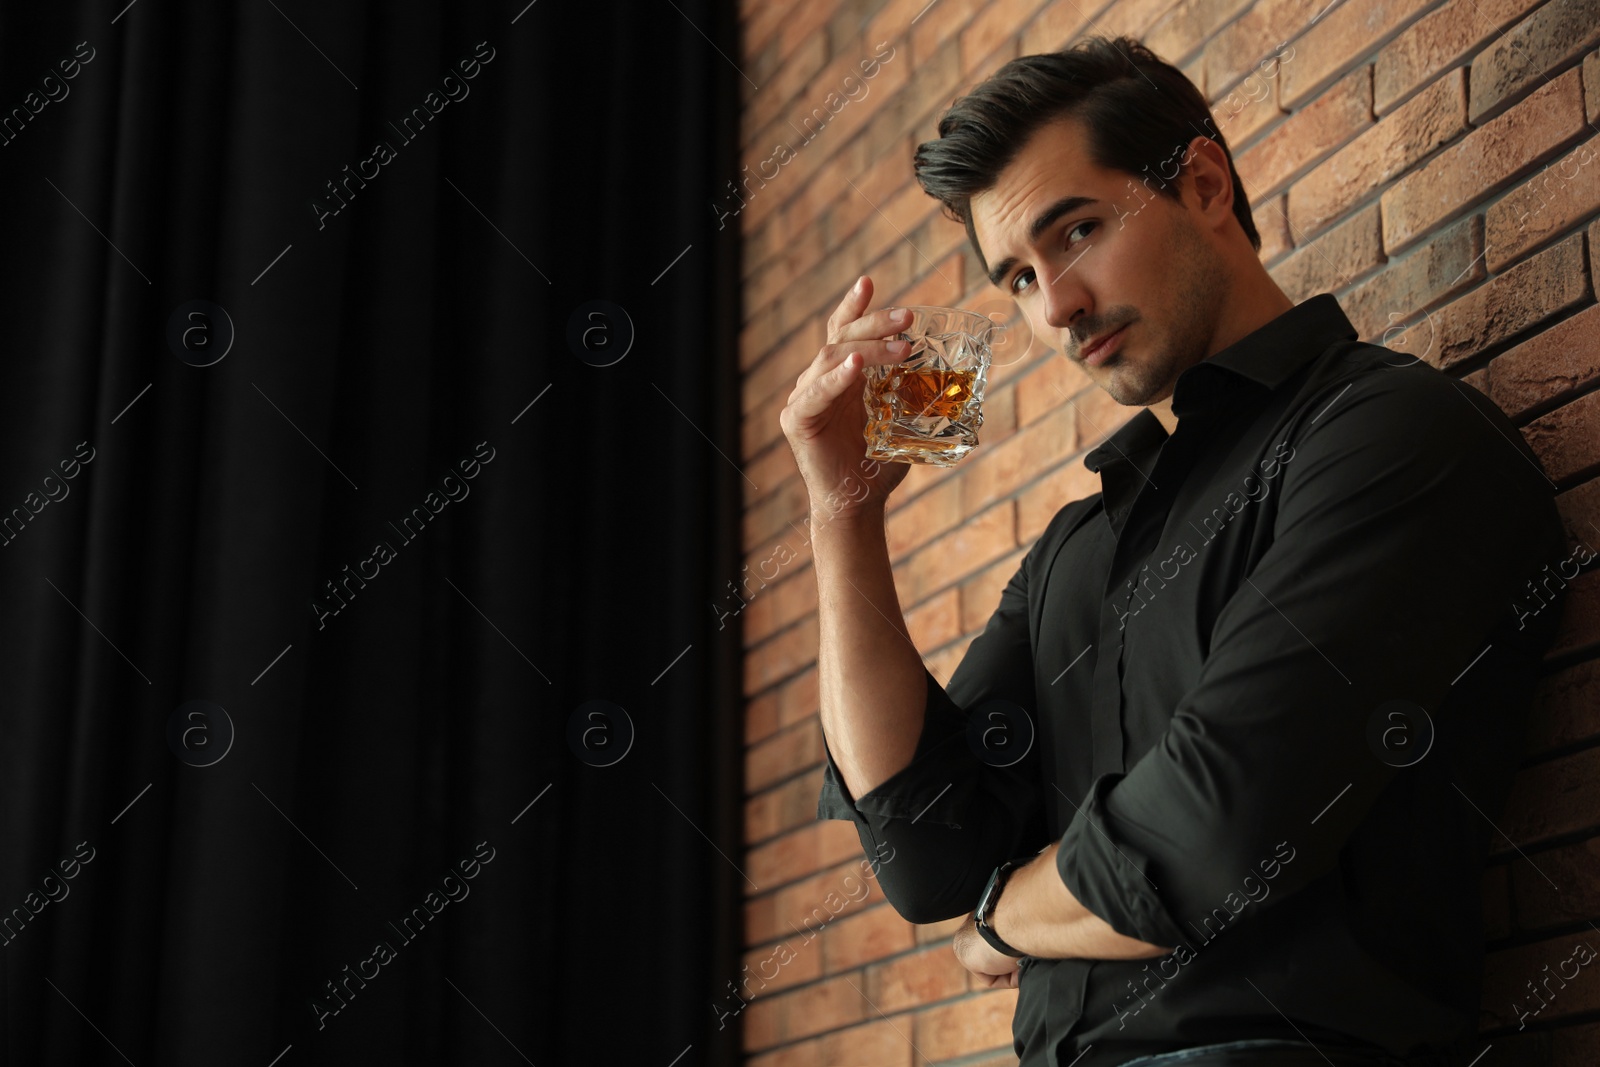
[986, 906]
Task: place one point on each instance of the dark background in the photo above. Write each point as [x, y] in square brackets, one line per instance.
[372, 752]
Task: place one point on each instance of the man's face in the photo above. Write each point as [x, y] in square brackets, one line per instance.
[1130, 259]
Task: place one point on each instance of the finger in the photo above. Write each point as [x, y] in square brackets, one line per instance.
[833, 356]
[854, 303]
[820, 395]
[885, 322]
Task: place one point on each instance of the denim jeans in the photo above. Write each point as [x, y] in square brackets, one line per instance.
[1265, 1052]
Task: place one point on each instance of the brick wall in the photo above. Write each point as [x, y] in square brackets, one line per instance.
[1433, 164]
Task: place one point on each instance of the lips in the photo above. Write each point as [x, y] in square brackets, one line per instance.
[1102, 349]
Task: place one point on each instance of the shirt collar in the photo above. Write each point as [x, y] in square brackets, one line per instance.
[1267, 356]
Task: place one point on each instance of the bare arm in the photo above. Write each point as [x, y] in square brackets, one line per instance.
[869, 675]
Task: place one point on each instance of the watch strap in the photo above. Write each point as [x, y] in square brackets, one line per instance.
[986, 906]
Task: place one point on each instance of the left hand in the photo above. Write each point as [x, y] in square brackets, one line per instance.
[993, 969]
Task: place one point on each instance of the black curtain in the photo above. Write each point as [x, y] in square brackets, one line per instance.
[369, 439]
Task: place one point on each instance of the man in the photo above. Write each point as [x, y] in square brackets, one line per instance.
[1222, 763]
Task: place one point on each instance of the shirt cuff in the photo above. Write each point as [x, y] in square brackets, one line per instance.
[1110, 875]
[937, 786]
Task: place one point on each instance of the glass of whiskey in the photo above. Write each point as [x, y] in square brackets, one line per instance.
[928, 407]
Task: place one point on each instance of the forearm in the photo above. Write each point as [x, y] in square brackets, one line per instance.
[870, 677]
[1038, 914]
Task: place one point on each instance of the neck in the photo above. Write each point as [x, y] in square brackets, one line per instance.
[1259, 305]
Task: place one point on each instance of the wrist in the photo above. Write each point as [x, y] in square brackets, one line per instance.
[868, 515]
[988, 907]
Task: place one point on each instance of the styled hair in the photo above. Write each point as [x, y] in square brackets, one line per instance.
[1140, 111]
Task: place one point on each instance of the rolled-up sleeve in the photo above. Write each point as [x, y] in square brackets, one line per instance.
[948, 817]
[1407, 521]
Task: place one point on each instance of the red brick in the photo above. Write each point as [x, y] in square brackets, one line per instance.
[1575, 1046]
[1550, 799]
[760, 717]
[936, 621]
[976, 1023]
[1531, 292]
[1308, 135]
[1188, 25]
[1040, 445]
[1252, 42]
[1507, 973]
[1496, 903]
[1040, 502]
[980, 594]
[1332, 261]
[1557, 886]
[921, 978]
[799, 852]
[1449, 264]
[881, 1043]
[778, 966]
[865, 937]
[784, 807]
[1550, 365]
[1049, 385]
[1554, 200]
[1515, 61]
[1248, 109]
[797, 698]
[783, 754]
[807, 907]
[1482, 163]
[778, 606]
[961, 552]
[1568, 439]
[1057, 24]
[1349, 31]
[1426, 121]
[759, 428]
[999, 414]
[1438, 40]
[821, 1006]
[1098, 416]
[1131, 17]
[937, 284]
[778, 657]
[1567, 709]
[1591, 86]
[1580, 512]
[1580, 620]
[993, 25]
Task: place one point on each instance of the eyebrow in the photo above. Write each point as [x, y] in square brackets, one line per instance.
[1050, 214]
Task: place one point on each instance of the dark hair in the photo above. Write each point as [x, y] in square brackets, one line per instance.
[1139, 111]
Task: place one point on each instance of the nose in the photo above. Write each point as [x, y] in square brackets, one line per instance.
[1066, 298]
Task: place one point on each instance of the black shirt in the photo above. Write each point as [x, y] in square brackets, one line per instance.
[1275, 674]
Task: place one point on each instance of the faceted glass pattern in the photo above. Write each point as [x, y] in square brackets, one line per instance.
[928, 407]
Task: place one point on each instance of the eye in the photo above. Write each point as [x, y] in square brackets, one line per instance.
[1015, 291]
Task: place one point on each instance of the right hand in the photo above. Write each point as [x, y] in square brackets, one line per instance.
[825, 417]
